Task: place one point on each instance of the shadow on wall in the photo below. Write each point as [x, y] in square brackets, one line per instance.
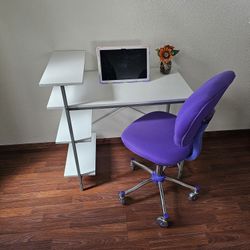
[228, 114]
[189, 62]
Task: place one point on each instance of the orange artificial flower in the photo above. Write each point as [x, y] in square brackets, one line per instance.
[166, 53]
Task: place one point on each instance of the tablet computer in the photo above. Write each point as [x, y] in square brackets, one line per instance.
[123, 64]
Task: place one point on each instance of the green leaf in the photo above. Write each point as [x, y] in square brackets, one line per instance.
[175, 51]
[158, 52]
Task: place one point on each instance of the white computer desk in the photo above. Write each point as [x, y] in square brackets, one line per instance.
[77, 93]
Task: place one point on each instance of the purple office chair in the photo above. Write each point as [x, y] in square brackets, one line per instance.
[168, 140]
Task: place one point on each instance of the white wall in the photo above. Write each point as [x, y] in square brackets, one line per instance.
[212, 35]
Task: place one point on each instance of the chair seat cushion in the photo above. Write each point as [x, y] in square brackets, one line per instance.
[152, 137]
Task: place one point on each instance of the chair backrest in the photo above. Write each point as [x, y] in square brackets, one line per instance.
[198, 109]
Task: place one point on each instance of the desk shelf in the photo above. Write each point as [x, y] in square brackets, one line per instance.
[81, 123]
[86, 155]
[66, 69]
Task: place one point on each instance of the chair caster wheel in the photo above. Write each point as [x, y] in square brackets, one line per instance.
[193, 196]
[162, 222]
[122, 198]
[123, 201]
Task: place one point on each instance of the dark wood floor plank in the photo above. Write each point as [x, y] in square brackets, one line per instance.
[40, 209]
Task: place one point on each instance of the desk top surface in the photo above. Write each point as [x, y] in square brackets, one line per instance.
[160, 89]
[64, 68]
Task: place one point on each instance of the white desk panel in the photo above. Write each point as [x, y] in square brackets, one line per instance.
[64, 68]
[160, 89]
[87, 158]
[81, 124]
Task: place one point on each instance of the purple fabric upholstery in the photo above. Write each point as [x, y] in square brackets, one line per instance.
[151, 137]
[199, 106]
[165, 139]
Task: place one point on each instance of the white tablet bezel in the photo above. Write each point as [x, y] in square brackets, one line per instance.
[98, 49]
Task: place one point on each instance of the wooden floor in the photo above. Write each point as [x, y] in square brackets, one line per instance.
[40, 209]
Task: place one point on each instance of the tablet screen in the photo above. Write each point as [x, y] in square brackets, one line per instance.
[123, 64]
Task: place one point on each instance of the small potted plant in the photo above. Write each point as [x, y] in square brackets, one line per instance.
[166, 54]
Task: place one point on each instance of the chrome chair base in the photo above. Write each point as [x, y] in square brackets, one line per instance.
[158, 177]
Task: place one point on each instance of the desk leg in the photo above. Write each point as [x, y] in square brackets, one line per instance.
[66, 107]
[137, 110]
[168, 108]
